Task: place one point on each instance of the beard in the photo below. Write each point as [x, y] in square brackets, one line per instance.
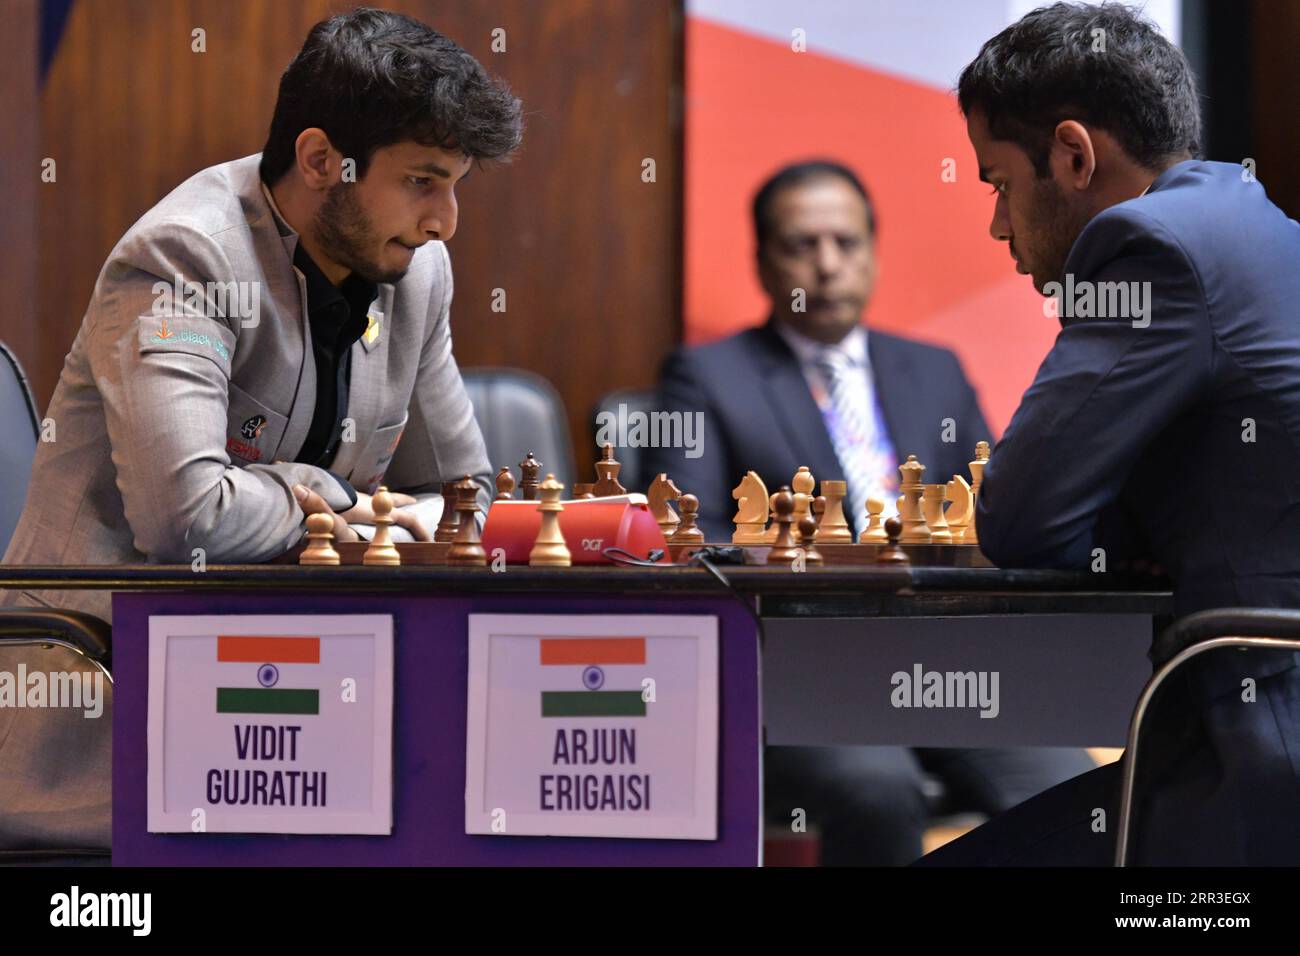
[345, 233]
[1057, 224]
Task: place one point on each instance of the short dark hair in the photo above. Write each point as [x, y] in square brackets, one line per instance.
[370, 78]
[1043, 69]
[796, 175]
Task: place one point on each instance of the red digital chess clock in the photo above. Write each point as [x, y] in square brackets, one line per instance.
[589, 526]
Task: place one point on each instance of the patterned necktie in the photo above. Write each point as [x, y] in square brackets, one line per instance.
[858, 434]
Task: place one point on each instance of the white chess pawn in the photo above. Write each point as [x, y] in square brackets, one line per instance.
[874, 532]
[320, 541]
[382, 551]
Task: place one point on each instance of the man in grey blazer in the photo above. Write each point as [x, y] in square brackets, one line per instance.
[270, 340]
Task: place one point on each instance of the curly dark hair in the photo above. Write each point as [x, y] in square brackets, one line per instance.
[370, 78]
[1046, 68]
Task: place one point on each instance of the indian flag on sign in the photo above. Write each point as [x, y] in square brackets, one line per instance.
[594, 663]
[268, 653]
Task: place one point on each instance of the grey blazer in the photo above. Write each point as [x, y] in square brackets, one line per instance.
[176, 418]
[170, 430]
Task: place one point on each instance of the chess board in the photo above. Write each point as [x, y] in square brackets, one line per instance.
[934, 527]
[434, 553]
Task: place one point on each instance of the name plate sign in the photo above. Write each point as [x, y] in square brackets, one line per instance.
[270, 723]
[593, 725]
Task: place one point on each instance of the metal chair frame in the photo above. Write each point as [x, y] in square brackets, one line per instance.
[78, 632]
[1229, 628]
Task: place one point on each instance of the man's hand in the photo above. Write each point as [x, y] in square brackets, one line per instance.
[360, 513]
[312, 503]
[363, 512]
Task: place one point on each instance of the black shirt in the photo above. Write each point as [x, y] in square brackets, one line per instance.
[338, 319]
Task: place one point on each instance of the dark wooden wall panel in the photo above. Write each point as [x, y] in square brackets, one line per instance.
[20, 178]
[129, 112]
[588, 253]
[1275, 88]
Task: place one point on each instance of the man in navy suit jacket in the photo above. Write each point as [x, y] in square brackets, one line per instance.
[760, 415]
[1164, 424]
[813, 387]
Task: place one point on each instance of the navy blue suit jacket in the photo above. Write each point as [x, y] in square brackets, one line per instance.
[1179, 441]
[758, 414]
